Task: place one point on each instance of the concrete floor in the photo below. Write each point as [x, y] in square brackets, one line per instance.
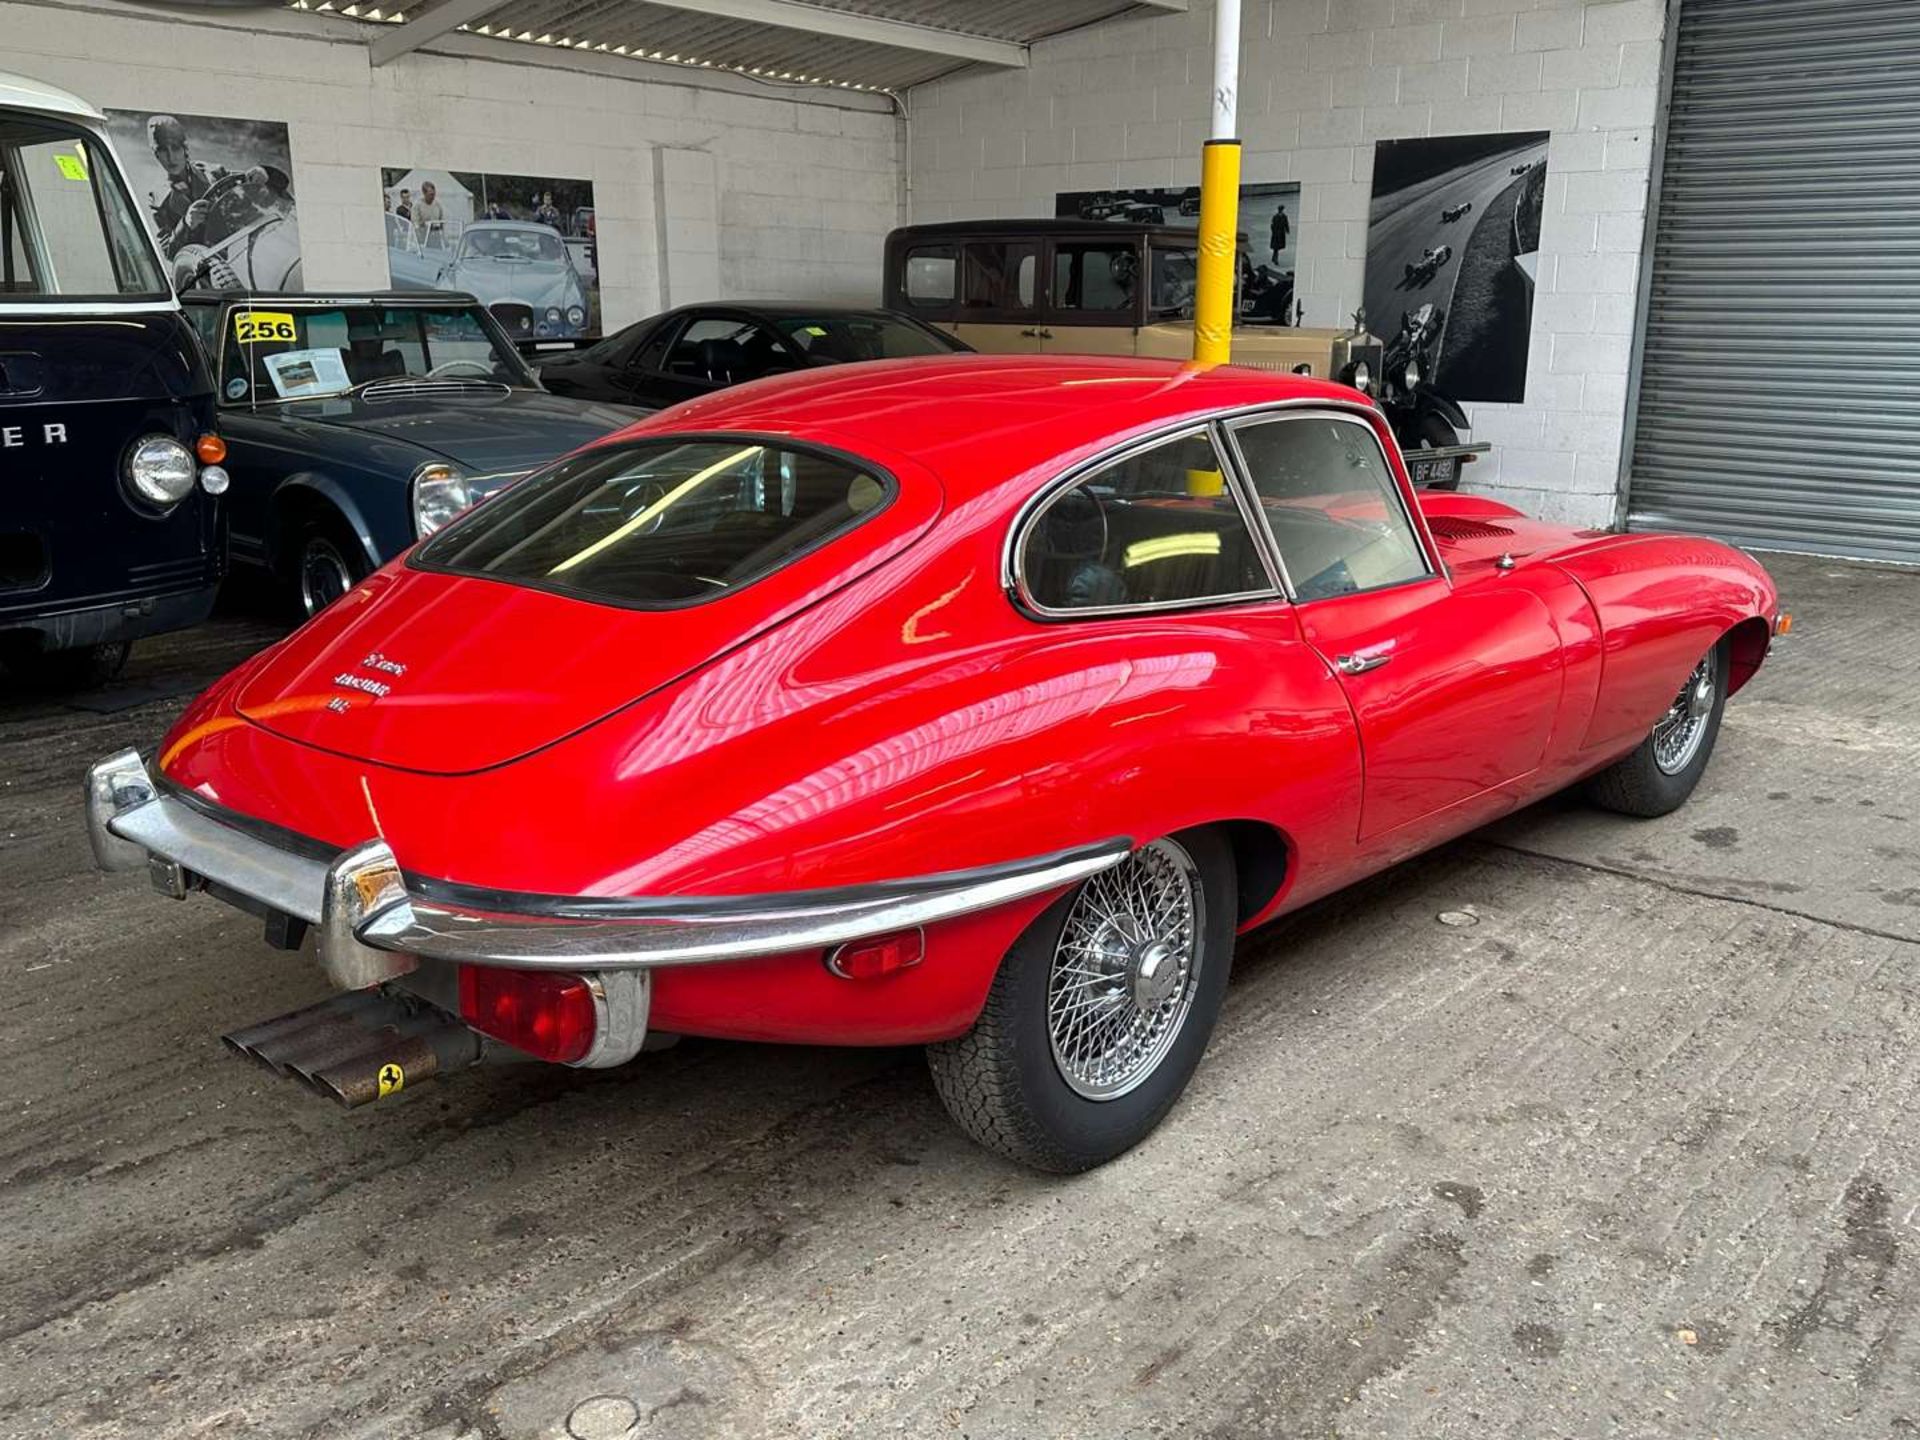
[1632, 1155]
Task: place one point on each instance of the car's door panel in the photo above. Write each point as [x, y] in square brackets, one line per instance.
[1459, 695]
[1456, 689]
[1092, 304]
[997, 308]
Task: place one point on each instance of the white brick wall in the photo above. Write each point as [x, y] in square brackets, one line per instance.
[807, 181]
[1321, 80]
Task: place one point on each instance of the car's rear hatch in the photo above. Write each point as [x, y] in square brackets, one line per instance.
[445, 674]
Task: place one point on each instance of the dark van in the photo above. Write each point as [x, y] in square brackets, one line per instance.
[109, 525]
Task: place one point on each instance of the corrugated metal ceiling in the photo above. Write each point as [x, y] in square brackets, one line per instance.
[773, 52]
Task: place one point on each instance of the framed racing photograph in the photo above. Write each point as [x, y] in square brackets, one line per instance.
[218, 192]
[1269, 218]
[525, 246]
[1452, 240]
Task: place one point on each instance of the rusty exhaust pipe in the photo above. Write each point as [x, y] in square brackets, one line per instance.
[362, 1046]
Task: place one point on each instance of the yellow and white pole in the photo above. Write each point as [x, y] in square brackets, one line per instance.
[1219, 197]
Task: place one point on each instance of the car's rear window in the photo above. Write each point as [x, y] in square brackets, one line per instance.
[661, 522]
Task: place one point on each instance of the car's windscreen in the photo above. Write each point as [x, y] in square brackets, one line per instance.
[67, 227]
[307, 352]
[839, 338]
[661, 522]
[543, 245]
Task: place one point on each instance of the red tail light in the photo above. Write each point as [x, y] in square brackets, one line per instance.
[548, 1015]
[882, 955]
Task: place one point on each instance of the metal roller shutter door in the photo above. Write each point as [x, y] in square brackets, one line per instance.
[1779, 400]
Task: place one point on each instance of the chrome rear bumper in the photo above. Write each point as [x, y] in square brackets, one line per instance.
[375, 922]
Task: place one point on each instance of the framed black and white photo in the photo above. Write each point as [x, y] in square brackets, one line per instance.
[218, 192]
[1452, 239]
[526, 246]
[1269, 218]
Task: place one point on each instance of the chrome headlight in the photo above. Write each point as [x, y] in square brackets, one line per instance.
[1363, 377]
[440, 492]
[576, 316]
[161, 471]
[1410, 377]
[553, 314]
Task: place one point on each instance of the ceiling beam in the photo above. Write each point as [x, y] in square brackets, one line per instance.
[393, 41]
[846, 25]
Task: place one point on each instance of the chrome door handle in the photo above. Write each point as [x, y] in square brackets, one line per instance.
[1041, 334]
[1358, 664]
[1031, 333]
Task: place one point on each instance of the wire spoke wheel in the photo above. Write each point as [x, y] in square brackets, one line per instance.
[1678, 733]
[1125, 971]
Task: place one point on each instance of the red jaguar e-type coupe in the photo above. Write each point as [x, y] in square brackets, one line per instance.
[974, 702]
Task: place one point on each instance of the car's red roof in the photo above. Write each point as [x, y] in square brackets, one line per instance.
[975, 420]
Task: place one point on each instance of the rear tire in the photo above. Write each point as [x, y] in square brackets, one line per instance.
[1100, 1011]
[324, 561]
[1657, 778]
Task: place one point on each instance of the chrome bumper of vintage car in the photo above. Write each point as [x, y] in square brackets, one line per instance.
[374, 922]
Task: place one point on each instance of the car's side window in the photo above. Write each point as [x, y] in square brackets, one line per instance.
[653, 355]
[1331, 501]
[616, 351]
[1100, 279]
[927, 275]
[1157, 527]
[998, 276]
[727, 352]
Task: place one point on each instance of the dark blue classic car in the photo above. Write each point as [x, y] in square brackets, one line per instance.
[357, 424]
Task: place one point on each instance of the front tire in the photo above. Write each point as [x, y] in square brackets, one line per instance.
[1657, 778]
[1436, 433]
[1100, 1011]
[324, 561]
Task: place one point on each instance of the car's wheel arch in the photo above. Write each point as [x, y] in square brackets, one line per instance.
[1264, 862]
[313, 495]
[1747, 644]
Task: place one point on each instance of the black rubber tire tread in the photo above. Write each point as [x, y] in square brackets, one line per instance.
[1636, 786]
[999, 1081]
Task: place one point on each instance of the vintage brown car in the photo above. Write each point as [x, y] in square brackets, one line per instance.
[1107, 287]
[1088, 287]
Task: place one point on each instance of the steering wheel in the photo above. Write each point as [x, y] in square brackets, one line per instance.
[642, 498]
[447, 367]
[222, 189]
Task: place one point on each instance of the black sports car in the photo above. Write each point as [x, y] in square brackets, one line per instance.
[701, 348]
[1454, 212]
